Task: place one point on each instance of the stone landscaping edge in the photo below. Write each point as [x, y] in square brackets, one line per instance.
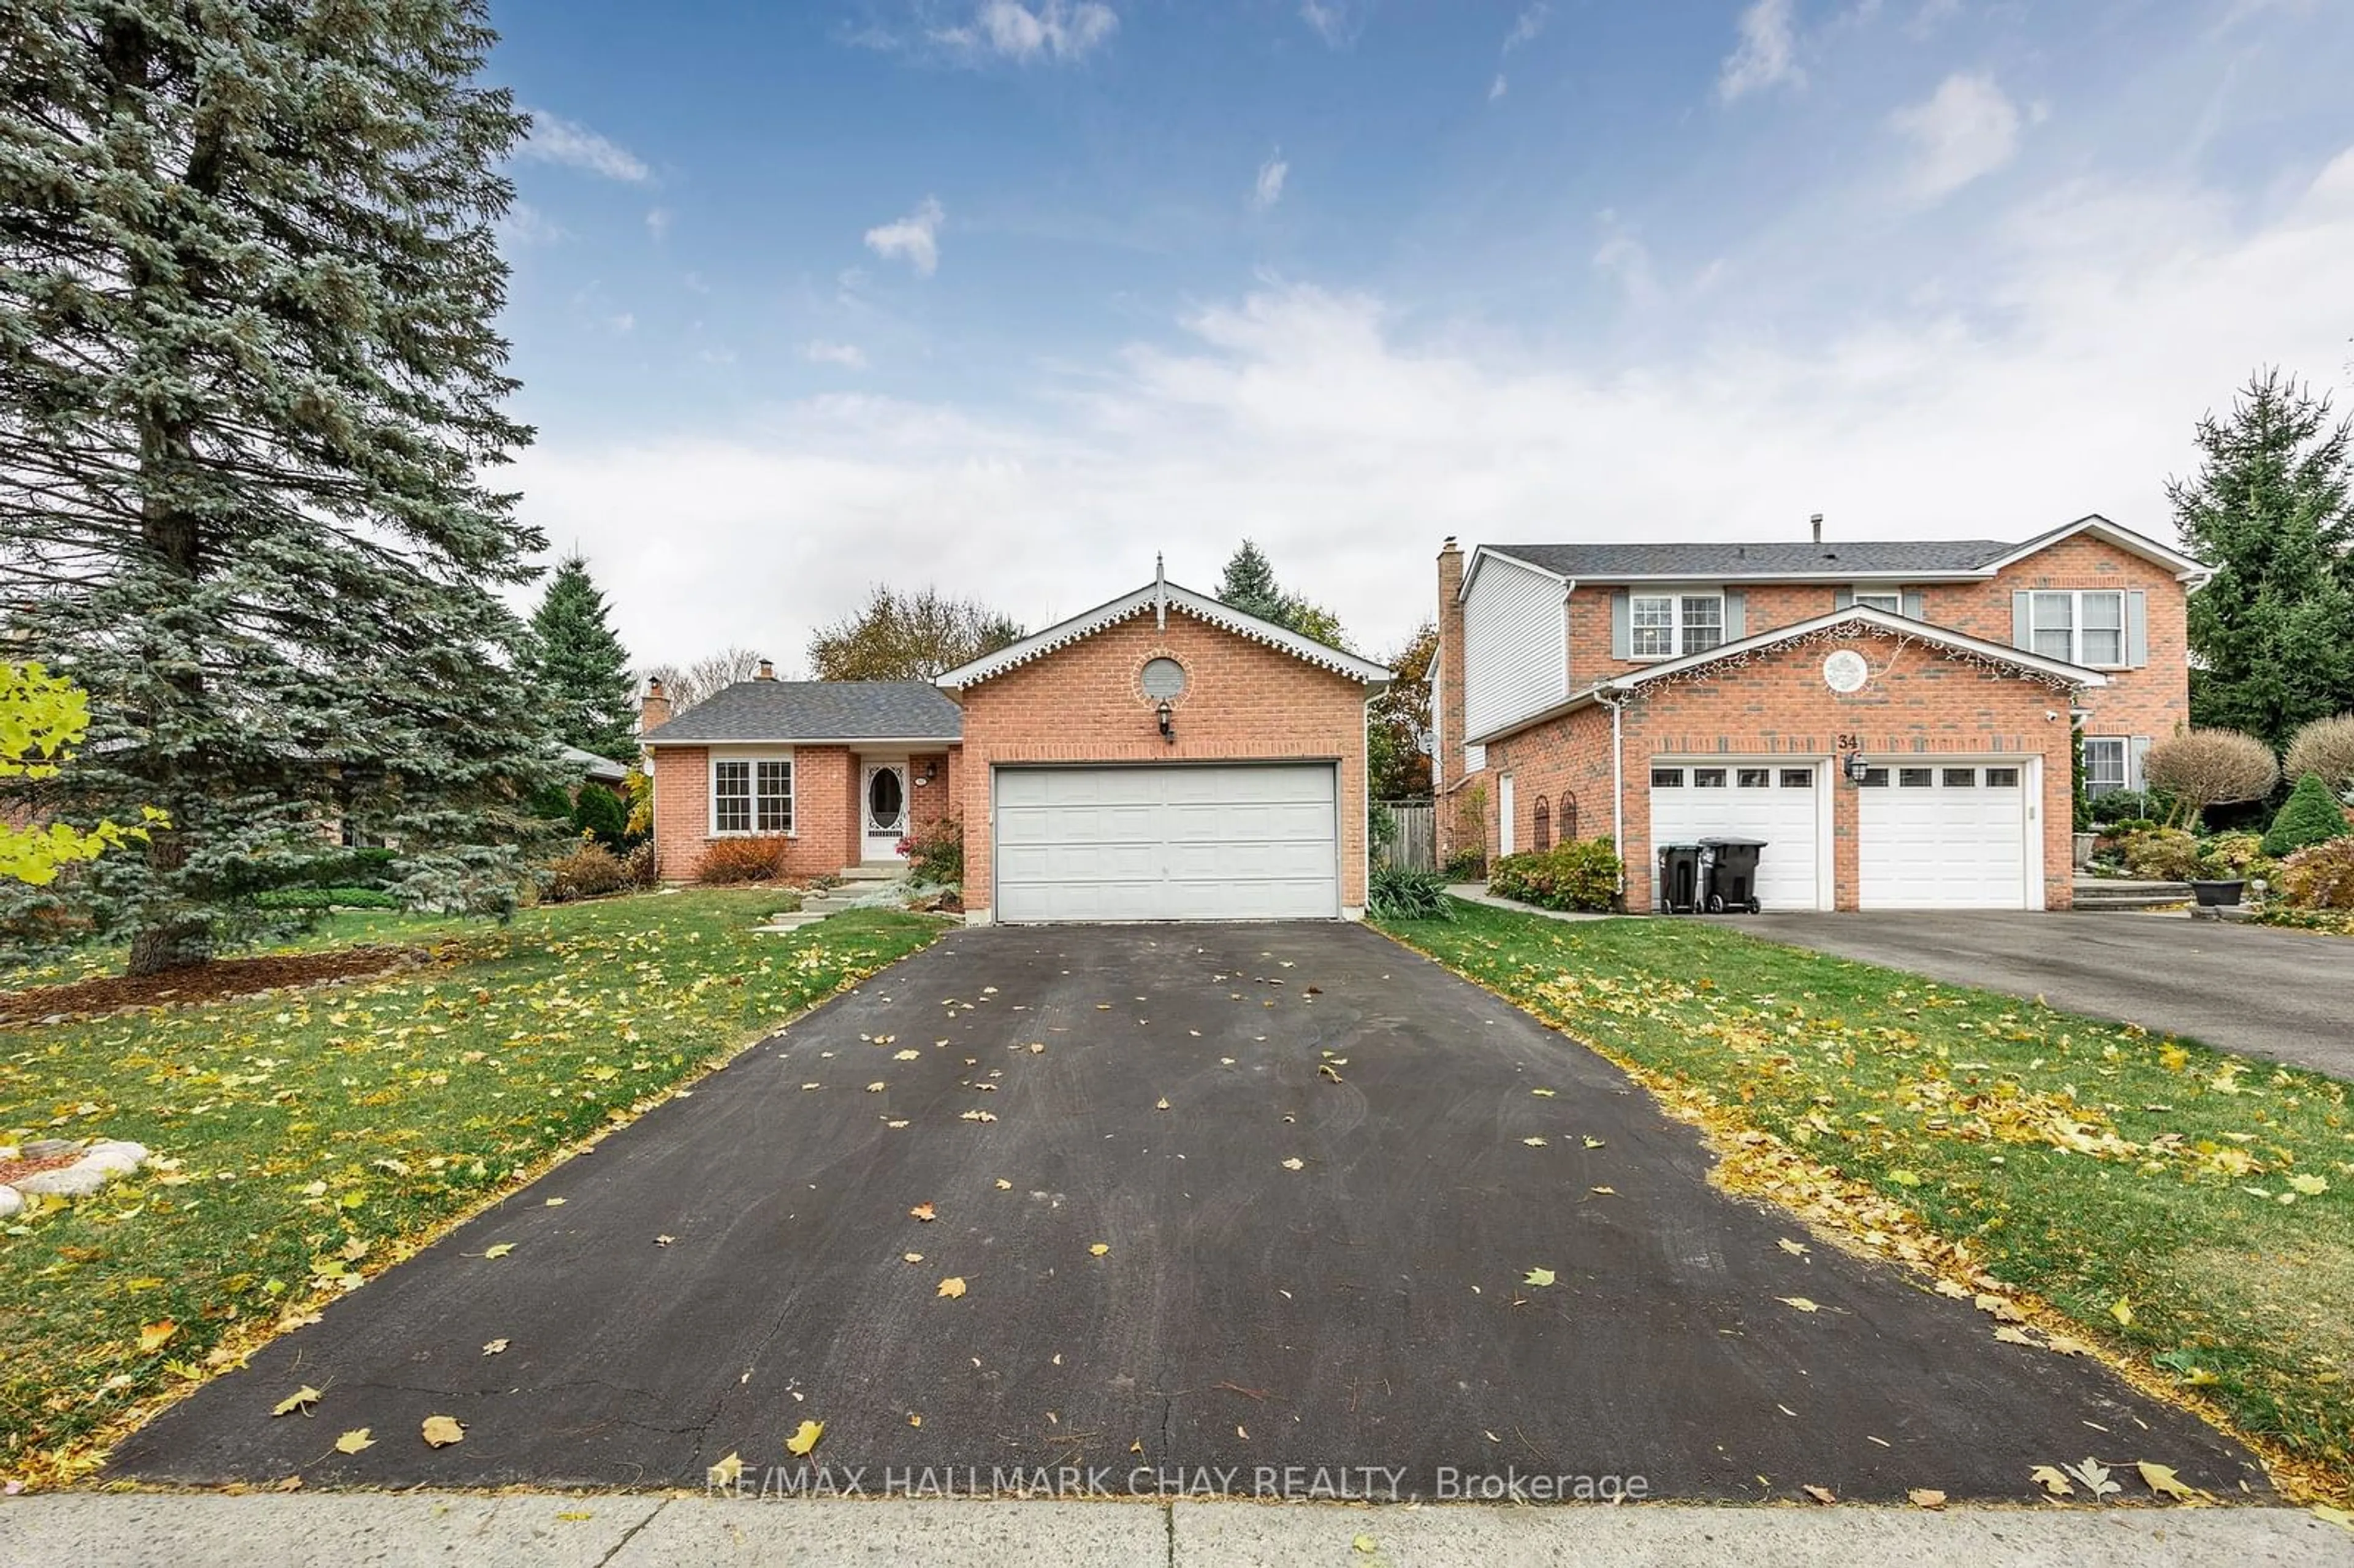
[92, 1529]
[101, 1162]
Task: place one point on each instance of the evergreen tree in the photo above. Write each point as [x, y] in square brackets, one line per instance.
[249, 384]
[2272, 509]
[1249, 584]
[579, 670]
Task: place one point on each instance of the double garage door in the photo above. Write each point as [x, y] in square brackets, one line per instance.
[1947, 835]
[1141, 842]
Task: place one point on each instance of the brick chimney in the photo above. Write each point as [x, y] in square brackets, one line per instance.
[653, 708]
[1447, 767]
[767, 670]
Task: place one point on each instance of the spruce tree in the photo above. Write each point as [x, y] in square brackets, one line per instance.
[2272, 510]
[250, 389]
[1249, 584]
[579, 670]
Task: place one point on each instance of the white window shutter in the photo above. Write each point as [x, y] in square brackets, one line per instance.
[2137, 628]
[1622, 636]
[2022, 619]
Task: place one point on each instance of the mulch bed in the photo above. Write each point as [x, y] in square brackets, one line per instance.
[204, 982]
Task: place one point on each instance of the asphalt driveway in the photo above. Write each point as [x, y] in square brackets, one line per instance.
[2256, 990]
[1310, 1158]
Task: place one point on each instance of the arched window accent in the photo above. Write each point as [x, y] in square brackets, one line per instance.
[1543, 835]
[1568, 816]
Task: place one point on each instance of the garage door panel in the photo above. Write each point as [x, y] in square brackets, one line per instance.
[1146, 841]
[1945, 836]
[1785, 809]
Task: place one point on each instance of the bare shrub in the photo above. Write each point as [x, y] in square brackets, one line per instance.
[2203, 767]
[2325, 747]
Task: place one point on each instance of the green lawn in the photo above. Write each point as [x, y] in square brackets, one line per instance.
[2090, 1163]
[320, 1136]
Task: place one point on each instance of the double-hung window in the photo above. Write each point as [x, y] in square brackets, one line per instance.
[2085, 625]
[1889, 599]
[752, 795]
[1667, 626]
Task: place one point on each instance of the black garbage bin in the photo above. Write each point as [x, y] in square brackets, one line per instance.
[1680, 889]
[1728, 874]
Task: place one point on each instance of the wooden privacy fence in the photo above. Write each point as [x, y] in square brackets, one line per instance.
[1414, 843]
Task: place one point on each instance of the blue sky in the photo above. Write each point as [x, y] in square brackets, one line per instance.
[1006, 295]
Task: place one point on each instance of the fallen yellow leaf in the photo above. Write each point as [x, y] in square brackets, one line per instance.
[804, 1438]
[440, 1431]
[495, 1348]
[724, 1473]
[1795, 1249]
[2122, 1310]
[355, 1440]
[499, 1251]
[2051, 1480]
[1925, 1497]
[1293, 1164]
[923, 1211]
[151, 1336]
[1538, 1276]
[2162, 1480]
[952, 1286]
[1099, 1248]
[1820, 1494]
[302, 1399]
[911, 1256]
[2011, 1336]
[1800, 1302]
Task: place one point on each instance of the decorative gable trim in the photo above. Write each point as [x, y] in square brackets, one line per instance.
[1160, 596]
[1840, 625]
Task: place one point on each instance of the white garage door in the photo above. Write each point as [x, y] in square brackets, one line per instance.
[1943, 836]
[1779, 800]
[1146, 843]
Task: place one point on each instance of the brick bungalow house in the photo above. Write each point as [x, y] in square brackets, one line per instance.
[1161, 757]
[1892, 717]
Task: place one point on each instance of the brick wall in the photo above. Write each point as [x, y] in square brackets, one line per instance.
[826, 815]
[1918, 704]
[1244, 702]
[1453, 788]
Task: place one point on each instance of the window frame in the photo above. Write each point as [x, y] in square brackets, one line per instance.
[2075, 598]
[755, 764]
[2123, 780]
[1677, 600]
[1862, 597]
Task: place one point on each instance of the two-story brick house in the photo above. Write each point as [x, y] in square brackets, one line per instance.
[1893, 718]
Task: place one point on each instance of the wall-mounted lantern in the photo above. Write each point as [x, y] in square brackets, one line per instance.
[1167, 721]
[1856, 768]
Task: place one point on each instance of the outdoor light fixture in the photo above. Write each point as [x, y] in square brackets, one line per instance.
[931, 771]
[1856, 768]
[1168, 725]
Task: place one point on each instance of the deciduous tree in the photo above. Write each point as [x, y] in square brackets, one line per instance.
[909, 636]
[1397, 733]
[42, 716]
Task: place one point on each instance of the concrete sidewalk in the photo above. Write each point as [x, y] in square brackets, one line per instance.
[637, 1530]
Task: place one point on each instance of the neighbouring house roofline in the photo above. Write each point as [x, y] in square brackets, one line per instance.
[1900, 561]
[1161, 596]
[599, 770]
[1626, 685]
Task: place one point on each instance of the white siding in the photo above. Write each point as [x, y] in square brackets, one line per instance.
[1515, 645]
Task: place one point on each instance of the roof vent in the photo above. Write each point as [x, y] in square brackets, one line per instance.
[1816, 523]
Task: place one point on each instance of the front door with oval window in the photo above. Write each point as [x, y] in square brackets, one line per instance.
[884, 800]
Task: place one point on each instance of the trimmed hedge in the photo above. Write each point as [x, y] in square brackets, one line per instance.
[2320, 877]
[1580, 873]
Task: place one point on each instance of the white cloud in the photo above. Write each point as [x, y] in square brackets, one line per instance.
[1347, 439]
[915, 239]
[1625, 260]
[1965, 129]
[1056, 30]
[555, 140]
[1497, 88]
[1527, 26]
[1334, 21]
[1766, 55]
[849, 356]
[1268, 189]
[658, 222]
[526, 224]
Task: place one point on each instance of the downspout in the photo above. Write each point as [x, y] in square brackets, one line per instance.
[1618, 788]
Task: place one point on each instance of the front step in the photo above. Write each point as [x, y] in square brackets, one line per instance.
[875, 871]
[2110, 893]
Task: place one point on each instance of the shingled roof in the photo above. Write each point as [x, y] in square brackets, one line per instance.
[808, 712]
[1596, 562]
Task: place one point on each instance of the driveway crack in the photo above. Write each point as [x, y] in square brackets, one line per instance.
[632, 1534]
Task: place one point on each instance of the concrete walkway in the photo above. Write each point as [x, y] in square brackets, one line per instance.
[1477, 893]
[638, 1530]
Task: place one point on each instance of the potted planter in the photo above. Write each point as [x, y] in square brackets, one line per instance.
[2084, 843]
[2217, 893]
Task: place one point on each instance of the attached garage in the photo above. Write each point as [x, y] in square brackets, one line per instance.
[1164, 756]
[1135, 842]
[1945, 834]
[1784, 800]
